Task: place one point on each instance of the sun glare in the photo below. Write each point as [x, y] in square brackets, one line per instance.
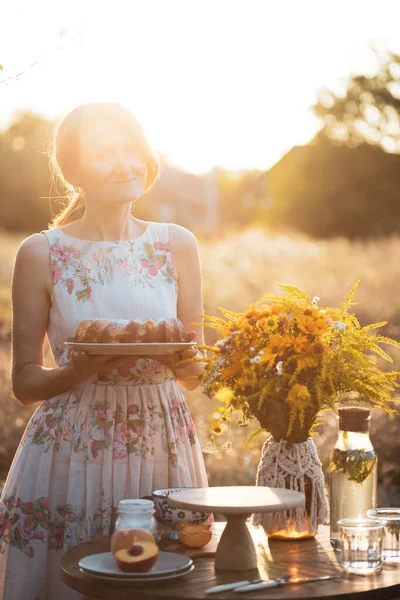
[222, 83]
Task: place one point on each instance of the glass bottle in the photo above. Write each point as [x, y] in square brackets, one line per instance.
[136, 514]
[352, 469]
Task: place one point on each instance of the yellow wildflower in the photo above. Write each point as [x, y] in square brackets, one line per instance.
[298, 392]
[298, 399]
[271, 323]
[217, 428]
[224, 395]
[233, 370]
[253, 312]
[305, 361]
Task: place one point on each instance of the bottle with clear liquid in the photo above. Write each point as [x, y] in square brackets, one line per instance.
[352, 469]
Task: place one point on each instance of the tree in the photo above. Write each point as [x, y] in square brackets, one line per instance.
[345, 182]
[327, 190]
[369, 110]
[25, 181]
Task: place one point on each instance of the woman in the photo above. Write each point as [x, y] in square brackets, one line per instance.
[107, 428]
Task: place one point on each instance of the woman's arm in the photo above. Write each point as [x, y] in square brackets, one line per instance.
[31, 290]
[186, 258]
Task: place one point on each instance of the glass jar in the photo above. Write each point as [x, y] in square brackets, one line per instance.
[294, 531]
[352, 470]
[136, 514]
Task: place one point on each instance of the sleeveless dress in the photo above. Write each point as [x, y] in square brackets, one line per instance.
[119, 435]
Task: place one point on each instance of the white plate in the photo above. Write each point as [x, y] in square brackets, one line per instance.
[140, 579]
[104, 564]
[137, 349]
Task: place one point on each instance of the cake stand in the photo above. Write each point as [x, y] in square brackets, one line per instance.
[236, 551]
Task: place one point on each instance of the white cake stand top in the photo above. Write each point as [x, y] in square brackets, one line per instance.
[237, 499]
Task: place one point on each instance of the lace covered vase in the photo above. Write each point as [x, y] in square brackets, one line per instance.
[293, 466]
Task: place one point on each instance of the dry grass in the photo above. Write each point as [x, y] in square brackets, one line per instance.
[237, 270]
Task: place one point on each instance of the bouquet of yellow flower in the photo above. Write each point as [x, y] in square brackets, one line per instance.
[283, 362]
[286, 360]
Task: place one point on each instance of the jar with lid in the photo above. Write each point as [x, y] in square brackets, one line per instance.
[136, 514]
[352, 470]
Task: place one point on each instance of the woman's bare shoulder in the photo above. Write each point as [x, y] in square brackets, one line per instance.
[180, 236]
[35, 250]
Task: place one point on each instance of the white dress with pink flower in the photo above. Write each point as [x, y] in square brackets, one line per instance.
[120, 435]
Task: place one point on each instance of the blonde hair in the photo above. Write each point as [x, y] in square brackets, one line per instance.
[65, 153]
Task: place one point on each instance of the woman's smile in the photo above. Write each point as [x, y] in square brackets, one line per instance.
[123, 181]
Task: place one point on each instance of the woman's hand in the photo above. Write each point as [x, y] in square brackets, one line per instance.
[171, 359]
[187, 370]
[84, 366]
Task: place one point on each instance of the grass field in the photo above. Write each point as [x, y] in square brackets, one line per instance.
[237, 270]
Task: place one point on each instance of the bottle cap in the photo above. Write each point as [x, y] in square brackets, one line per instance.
[354, 418]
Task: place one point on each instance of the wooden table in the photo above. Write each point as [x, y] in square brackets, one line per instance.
[275, 558]
[236, 550]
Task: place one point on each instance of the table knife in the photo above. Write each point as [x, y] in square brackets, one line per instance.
[275, 582]
[231, 586]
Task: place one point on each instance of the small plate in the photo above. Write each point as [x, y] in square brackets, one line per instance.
[131, 580]
[104, 564]
[134, 349]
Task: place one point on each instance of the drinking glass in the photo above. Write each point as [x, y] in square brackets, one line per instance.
[391, 539]
[361, 545]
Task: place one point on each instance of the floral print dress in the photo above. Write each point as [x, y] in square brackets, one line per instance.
[119, 435]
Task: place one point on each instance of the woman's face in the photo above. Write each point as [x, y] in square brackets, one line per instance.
[111, 169]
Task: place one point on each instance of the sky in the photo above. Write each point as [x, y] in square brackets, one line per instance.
[226, 83]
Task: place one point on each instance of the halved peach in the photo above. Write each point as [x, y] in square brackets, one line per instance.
[194, 535]
[124, 538]
[135, 550]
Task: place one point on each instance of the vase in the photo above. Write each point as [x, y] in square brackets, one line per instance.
[293, 466]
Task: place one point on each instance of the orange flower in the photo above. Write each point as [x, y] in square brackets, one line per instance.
[317, 349]
[276, 347]
[311, 321]
[254, 312]
[278, 309]
[299, 343]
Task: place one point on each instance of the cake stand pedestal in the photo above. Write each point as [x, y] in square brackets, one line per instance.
[236, 551]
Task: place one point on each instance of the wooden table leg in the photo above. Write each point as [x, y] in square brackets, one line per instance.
[236, 551]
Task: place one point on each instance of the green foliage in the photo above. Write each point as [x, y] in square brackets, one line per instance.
[346, 181]
[357, 464]
[25, 183]
[326, 189]
[368, 111]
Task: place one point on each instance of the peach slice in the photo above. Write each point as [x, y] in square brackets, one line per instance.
[194, 535]
[135, 550]
[124, 538]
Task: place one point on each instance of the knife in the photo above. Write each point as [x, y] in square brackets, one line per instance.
[275, 582]
[231, 586]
